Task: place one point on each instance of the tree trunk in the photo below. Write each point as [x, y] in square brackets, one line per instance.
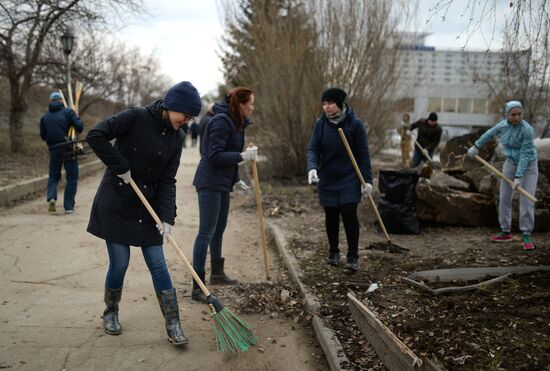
[18, 106]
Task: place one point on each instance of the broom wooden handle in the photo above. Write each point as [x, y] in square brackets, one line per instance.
[362, 180]
[423, 150]
[260, 213]
[495, 171]
[170, 238]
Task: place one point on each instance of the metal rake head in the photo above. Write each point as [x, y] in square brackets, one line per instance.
[388, 247]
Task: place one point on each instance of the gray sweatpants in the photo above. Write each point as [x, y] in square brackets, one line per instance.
[526, 206]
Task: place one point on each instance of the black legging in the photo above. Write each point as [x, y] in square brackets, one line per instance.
[351, 226]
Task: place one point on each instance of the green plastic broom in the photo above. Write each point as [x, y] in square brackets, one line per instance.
[232, 333]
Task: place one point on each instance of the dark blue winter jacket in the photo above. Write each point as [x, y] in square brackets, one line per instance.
[54, 125]
[338, 182]
[221, 149]
[148, 145]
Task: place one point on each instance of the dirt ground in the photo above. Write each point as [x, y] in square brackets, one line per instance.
[52, 273]
[502, 327]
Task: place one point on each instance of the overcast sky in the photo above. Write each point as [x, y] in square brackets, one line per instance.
[186, 35]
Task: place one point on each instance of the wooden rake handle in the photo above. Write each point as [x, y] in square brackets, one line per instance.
[362, 180]
[170, 238]
[423, 150]
[260, 213]
[495, 171]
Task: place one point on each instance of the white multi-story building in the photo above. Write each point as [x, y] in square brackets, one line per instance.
[450, 82]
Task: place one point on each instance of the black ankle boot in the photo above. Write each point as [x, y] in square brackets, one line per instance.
[170, 310]
[110, 314]
[218, 276]
[196, 293]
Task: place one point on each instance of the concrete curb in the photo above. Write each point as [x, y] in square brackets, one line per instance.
[13, 192]
[334, 352]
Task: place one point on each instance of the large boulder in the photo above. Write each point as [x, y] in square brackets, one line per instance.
[444, 205]
[453, 157]
[440, 179]
[480, 180]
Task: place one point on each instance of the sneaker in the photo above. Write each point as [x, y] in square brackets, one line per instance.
[70, 211]
[528, 242]
[502, 237]
[51, 207]
[333, 259]
[352, 265]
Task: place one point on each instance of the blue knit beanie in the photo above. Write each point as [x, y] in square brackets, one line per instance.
[184, 98]
[55, 95]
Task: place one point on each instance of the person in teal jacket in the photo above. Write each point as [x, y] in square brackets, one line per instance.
[516, 136]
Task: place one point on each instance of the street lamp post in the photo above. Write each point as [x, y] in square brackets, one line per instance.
[67, 40]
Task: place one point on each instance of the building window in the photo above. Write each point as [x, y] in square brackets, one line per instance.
[464, 105]
[449, 105]
[480, 105]
[434, 104]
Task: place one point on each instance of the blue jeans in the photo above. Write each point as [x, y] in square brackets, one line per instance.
[119, 257]
[213, 212]
[418, 156]
[71, 169]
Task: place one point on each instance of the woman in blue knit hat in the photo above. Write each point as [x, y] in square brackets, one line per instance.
[222, 150]
[517, 138]
[329, 165]
[147, 149]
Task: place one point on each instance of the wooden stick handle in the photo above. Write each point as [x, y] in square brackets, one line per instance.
[495, 171]
[170, 238]
[422, 149]
[260, 216]
[63, 97]
[362, 180]
[70, 92]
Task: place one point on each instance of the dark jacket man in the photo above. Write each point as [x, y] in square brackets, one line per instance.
[327, 154]
[150, 143]
[429, 135]
[55, 123]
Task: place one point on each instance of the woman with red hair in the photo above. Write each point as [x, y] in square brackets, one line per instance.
[218, 171]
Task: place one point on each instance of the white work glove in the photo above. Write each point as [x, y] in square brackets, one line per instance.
[243, 185]
[366, 189]
[312, 177]
[164, 229]
[472, 151]
[251, 153]
[125, 177]
[517, 183]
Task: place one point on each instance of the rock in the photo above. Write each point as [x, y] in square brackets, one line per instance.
[440, 179]
[453, 155]
[452, 207]
[480, 180]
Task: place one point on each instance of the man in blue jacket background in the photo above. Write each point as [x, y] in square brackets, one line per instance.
[54, 128]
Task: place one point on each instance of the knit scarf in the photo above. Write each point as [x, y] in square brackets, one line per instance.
[339, 116]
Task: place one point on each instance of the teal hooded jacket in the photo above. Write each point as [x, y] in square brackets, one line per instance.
[517, 140]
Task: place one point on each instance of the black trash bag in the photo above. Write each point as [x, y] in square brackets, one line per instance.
[399, 218]
[398, 186]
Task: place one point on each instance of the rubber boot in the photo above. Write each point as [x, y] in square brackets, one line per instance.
[196, 293]
[110, 314]
[218, 276]
[170, 310]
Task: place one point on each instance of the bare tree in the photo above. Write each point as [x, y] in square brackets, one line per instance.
[360, 40]
[24, 28]
[274, 51]
[290, 51]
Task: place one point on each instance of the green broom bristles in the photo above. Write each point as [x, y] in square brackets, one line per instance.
[232, 333]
